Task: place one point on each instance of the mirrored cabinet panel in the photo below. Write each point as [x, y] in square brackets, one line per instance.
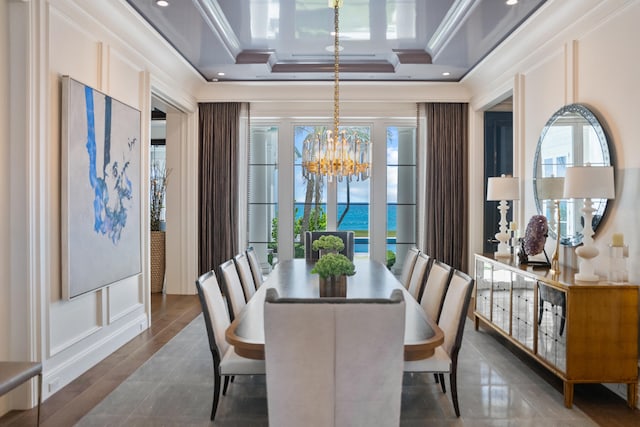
[552, 339]
[523, 310]
[484, 278]
[501, 298]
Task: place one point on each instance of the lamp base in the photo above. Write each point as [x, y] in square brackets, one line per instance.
[586, 277]
[504, 250]
[586, 271]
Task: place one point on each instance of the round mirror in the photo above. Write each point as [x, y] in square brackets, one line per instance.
[573, 136]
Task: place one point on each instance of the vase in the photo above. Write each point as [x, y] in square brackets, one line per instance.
[157, 260]
[333, 286]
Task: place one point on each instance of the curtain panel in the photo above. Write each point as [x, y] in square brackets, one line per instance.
[219, 129]
[446, 183]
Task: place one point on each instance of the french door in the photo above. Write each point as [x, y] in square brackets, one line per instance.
[282, 204]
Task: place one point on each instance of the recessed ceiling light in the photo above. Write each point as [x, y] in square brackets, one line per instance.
[162, 3]
[512, 2]
[446, 73]
[220, 74]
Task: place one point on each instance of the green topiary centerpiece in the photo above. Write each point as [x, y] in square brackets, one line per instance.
[328, 243]
[333, 270]
[334, 265]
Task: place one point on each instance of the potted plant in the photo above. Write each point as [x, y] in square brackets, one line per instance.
[328, 244]
[333, 270]
[158, 189]
[158, 192]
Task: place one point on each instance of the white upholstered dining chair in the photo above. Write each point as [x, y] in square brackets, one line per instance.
[216, 318]
[418, 275]
[435, 288]
[232, 288]
[256, 269]
[407, 268]
[333, 361]
[452, 318]
[246, 277]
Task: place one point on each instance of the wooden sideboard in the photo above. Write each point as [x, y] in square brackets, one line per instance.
[584, 332]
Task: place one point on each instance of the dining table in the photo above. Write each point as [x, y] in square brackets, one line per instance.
[293, 279]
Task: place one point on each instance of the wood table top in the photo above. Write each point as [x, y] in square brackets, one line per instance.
[293, 279]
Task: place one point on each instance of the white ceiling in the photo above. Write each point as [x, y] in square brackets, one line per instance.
[394, 40]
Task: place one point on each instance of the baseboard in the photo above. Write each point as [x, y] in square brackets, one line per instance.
[72, 367]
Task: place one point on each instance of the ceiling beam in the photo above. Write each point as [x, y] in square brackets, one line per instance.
[328, 67]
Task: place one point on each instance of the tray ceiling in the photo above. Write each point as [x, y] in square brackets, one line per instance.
[394, 40]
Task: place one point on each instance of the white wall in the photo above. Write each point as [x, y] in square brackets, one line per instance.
[590, 58]
[104, 45]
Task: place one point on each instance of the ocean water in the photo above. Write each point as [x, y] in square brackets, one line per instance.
[358, 216]
[357, 219]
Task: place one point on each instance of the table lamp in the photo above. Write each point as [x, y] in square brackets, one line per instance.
[552, 188]
[501, 189]
[588, 182]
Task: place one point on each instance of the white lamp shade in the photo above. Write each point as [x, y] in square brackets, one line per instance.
[550, 188]
[593, 182]
[503, 188]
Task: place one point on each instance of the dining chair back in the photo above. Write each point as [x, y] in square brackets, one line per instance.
[254, 263]
[348, 237]
[216, 318]
[334, 361]
[454, 311]
[407, 267]
[232, 288]
[435, 288]
[452, 319]
[418, 275]
[244, 272]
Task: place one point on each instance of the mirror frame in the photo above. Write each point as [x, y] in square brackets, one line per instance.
[599, 204]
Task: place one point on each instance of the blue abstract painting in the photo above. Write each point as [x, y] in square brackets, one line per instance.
[101, 177]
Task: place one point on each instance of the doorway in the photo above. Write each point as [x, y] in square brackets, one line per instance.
[498, 159]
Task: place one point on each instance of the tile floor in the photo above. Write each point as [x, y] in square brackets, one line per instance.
[174, 388]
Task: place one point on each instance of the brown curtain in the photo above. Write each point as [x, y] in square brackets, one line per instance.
[219, 128]
[446, 183]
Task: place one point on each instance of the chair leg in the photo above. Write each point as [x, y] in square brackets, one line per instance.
[435, 377]
[216, 390]
[441, 381]
[226, 384]
[39, 397]
[454, 391]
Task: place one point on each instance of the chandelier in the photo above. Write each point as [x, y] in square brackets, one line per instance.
[334, 153]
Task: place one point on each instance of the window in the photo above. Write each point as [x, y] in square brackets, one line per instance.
[311, 203]
[401, 194]
[310, 195]
[376, 205]
[263, 193]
